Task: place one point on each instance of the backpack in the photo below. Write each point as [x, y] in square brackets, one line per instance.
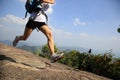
[32, 5]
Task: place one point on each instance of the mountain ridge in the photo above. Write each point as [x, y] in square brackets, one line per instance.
[61, 48]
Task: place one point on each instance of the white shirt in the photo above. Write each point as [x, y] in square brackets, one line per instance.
[40, 17]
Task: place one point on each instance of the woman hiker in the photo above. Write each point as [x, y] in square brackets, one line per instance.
[38, 19]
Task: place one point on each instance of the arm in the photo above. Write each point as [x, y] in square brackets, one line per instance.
[49, 1]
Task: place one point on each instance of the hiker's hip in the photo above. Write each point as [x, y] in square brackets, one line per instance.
[39, 17]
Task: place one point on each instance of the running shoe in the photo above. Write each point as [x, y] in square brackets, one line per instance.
[56, 57]
[15, 41]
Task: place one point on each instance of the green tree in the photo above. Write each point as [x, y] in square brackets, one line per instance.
[70, 58]
[101, 64]
[46, 51]
[114, 70]
[37, 52]
[118, 29]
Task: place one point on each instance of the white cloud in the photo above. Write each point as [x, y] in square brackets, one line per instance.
[77, 22]
[10, 26]
[12, 20]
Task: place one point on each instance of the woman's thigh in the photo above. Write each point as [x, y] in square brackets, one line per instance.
[46, 30]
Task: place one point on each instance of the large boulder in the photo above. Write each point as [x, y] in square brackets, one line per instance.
[16, 64]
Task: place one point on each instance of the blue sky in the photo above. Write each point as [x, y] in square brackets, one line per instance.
[86, 23]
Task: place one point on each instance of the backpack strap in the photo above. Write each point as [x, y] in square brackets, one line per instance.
[45, 15]
[25, 15]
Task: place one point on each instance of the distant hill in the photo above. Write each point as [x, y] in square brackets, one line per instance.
[81, 49]
[28, 47]
[7, 42]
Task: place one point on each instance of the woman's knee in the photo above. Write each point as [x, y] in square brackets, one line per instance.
[49, 35]
[47, 31]
[24, 38]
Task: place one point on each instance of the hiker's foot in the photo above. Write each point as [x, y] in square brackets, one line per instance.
[56, 57]
[15, 41]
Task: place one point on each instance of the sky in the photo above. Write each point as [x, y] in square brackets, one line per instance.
[82, 23]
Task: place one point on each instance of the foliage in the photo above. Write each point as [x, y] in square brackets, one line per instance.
[101, 64]
[118, 30]
[37, 52]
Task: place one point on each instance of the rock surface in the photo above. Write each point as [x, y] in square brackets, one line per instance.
[16, 64]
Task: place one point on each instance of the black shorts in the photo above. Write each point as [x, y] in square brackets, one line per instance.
[33, 24]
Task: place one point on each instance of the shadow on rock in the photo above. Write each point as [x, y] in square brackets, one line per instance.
[3, 57]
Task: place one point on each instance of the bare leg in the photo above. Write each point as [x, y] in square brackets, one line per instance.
[47, 31]
[24, 37]
[26, 34]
